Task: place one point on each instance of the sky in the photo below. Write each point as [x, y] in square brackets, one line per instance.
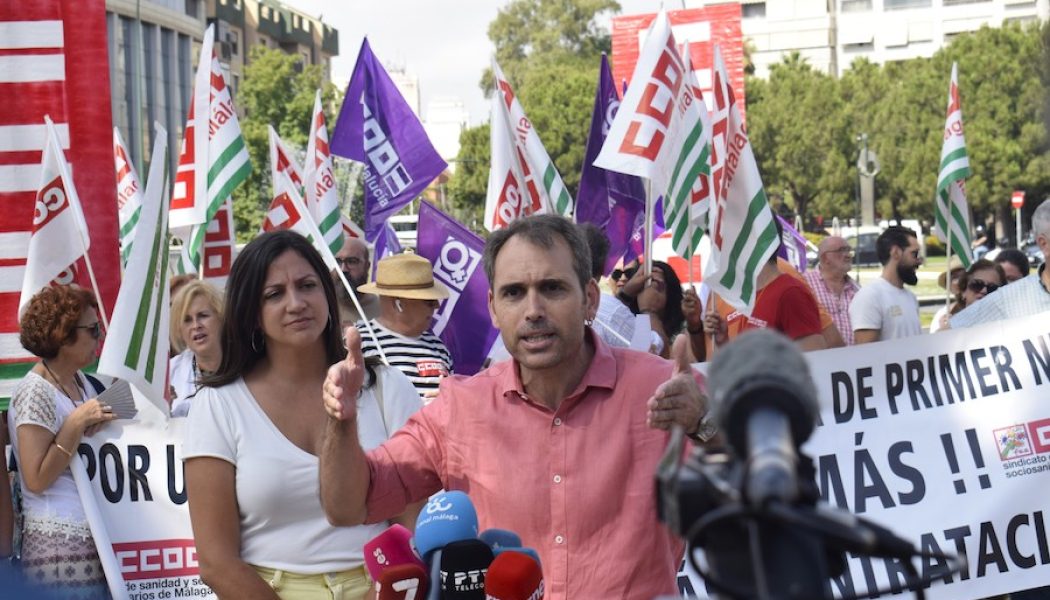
[443, 42]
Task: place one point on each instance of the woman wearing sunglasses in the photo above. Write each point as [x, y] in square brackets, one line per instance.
[51, 409]
[982, 278]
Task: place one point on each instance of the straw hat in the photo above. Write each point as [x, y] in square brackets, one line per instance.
[405, 275]
[955, 264]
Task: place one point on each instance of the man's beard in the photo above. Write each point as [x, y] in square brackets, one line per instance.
[908, 274]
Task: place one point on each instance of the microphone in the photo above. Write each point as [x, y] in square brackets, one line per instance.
[463, 567]
[402, 582]
[500, 538]
[447, 517]
[764, 401]
[390, 548]
[514, 576]
[530, 552]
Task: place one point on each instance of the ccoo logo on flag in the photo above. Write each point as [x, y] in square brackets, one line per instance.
[50, 203]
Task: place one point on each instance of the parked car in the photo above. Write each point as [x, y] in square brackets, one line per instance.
[864, 253]
[1032, 251]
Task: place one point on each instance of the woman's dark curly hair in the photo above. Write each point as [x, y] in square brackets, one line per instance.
[51, 317]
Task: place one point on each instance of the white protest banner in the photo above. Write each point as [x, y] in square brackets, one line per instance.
[135, 479]
[945, 440]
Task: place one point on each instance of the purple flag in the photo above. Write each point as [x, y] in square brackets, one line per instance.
[378, 128]
[636, 246]
[386, 244]
[463, 321]
[608, 199]
[792, 246]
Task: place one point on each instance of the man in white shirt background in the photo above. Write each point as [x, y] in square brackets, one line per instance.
[884, 309]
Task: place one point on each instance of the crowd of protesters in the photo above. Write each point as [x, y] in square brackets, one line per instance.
[250, 368]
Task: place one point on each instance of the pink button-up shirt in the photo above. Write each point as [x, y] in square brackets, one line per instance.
[576, 484]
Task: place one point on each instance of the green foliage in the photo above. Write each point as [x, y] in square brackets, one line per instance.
[275, 92]
[549, 50]
[803, 126]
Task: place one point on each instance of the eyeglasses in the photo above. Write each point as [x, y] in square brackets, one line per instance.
[976, 285]
[845, 249]
[351, 261]
[94, 330]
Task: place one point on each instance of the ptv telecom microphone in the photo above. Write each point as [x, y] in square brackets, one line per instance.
[447, 517]
[463, 568]
[514, 576]
[402, 582]
[390, 548]
[765, 402]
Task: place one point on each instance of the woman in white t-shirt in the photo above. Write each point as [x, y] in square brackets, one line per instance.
[196, 325]
[256, 427]
[52, 408]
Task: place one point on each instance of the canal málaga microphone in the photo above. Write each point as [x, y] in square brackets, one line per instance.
[447, 517]
[765, 404]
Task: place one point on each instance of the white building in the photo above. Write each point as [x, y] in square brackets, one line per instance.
[831, 34]
[445, 120]
[408, 84]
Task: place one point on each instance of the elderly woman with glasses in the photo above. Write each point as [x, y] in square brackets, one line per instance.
[51, 409]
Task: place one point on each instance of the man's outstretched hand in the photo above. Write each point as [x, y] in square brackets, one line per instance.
[343, 382]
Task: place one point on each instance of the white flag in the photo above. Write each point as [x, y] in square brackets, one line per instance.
[287, 211]
[59, 236]
[523, 179]
[951, 212]
[129, 195]
[322, 198]
[137, 344]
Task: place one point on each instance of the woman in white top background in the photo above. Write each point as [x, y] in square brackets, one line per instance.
[196, 326]
[51, 409]
[256, 428]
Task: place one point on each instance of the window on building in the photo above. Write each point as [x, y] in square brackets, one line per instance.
[903, 4]
[753, 10]
[955, 2]
[858, 47]
[233, 38]
[192, 8]
[855, 5]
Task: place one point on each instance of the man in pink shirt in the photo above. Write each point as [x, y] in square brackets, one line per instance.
[559, 444]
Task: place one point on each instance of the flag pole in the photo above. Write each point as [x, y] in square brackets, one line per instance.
[98, 293]
[361, 311]
[948, 265]
[647, 256]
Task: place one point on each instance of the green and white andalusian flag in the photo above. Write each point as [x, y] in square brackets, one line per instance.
[322, 197]
[214, 158]
[743, 232]
[661, 132]
[952, 215]
[522, 178]
[129, 195]
[137, 346]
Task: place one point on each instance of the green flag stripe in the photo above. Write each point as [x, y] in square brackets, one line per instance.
[130, 225]
[754, 210]
[957, 154]
[682, 200]
[231, 184]
[687, 148]
[228, 155]
[953, 176]
[131, 358]
[330, 221]
[151, 356]
[767, 238]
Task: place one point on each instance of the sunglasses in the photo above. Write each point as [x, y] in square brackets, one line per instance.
[618, 273]
[94, 330]
[976, 285]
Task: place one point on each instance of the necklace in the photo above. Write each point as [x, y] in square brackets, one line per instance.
[59, 383]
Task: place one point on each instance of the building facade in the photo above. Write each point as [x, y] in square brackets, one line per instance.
[831, 34]
[154, 47]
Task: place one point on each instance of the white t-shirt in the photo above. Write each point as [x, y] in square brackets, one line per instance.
[892, 310]
[282, 523]
[183, 381]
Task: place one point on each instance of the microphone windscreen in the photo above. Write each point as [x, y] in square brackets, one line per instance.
[402, 582]
[500, 538]
[514, 576]
[761, 368]
[524, 550]
[390, 548]
[447, 517]
[463, 567]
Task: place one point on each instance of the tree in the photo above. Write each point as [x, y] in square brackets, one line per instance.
[469, 185]
[549, 50]
[795, 126]
[276, 91]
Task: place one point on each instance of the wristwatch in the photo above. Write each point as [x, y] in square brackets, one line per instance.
[705, 430]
